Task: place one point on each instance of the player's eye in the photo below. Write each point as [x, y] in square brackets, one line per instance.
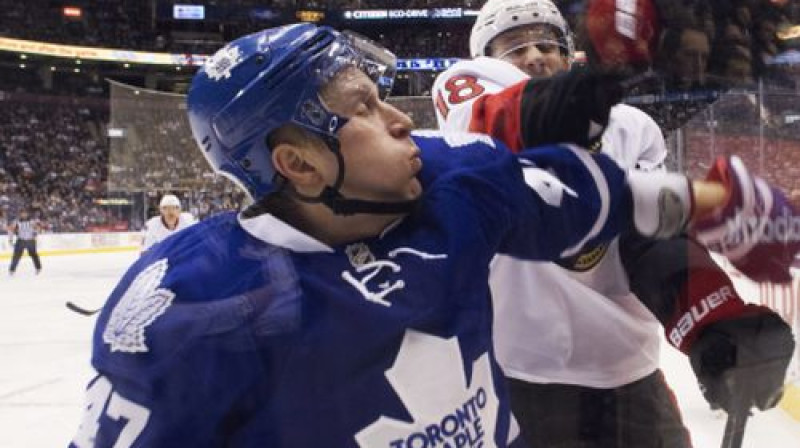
[368, 104]
[546, 48]
[519, 51]
[361, 109]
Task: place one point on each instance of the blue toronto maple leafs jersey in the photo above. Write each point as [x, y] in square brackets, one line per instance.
[246, 332]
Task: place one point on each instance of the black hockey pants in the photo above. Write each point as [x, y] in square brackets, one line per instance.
[643, 414]
[23, 245]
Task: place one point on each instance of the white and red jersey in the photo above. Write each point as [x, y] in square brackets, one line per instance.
[456, 89]
[155, 229]
[578, 324]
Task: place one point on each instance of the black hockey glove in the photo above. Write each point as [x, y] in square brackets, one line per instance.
[572, 107]
[741, 362]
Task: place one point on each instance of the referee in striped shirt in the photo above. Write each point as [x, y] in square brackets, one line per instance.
[25, 230]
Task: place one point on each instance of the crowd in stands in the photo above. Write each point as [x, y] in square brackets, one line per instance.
[119, 23]
[780, 164]
[52, 163]
[56, 162]
[151, 145]
[738, 124]
[422, 41]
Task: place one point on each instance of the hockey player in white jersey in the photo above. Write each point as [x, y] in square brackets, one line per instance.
[579, 348]
[169, 220]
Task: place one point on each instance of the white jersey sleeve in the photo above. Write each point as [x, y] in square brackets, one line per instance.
[634, 140]
[456, 89]
[150, 231]
[186, 220]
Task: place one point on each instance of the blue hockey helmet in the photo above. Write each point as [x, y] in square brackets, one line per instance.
[265, 80]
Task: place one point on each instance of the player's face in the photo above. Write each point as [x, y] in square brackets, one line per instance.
[381, 161]
[692, 56]
[533, 49]
[170, 212]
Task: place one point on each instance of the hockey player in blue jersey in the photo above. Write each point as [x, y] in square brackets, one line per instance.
[349, 305]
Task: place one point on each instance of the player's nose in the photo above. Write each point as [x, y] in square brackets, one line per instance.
[533, 61]
[399, 123]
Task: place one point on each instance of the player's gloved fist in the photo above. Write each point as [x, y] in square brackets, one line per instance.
[741, 361]
[757, 229]
[571, 107]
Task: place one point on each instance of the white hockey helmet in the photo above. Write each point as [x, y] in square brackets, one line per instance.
[498, 16]
[169, 200]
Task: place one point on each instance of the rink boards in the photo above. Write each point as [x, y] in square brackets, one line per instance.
[79, 243]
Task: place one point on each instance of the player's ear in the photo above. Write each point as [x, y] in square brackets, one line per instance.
[565, 62]
[301, 166]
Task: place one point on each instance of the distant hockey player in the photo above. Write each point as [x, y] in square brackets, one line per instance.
[170, 220]
[349, 305]
[579, 348]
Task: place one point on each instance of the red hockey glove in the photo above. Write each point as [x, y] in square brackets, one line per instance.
[739, 352]
[757, 229]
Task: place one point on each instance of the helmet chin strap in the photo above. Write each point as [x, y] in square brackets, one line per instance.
[340, 205]
[344, 206]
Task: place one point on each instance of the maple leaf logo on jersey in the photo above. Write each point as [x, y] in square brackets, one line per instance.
[141, 304]
[428, 376]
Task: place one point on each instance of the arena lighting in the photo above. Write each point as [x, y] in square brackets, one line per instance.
[789, 119]
[128, 57]
[72, 11]
[98, 53]
[310, 16]
[435, 14]
[188, 12]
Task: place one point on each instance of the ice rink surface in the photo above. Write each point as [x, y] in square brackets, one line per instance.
[45, 350]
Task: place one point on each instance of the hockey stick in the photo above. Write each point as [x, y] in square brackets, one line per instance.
[734, 429]
[737, 417]
[81, 310]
